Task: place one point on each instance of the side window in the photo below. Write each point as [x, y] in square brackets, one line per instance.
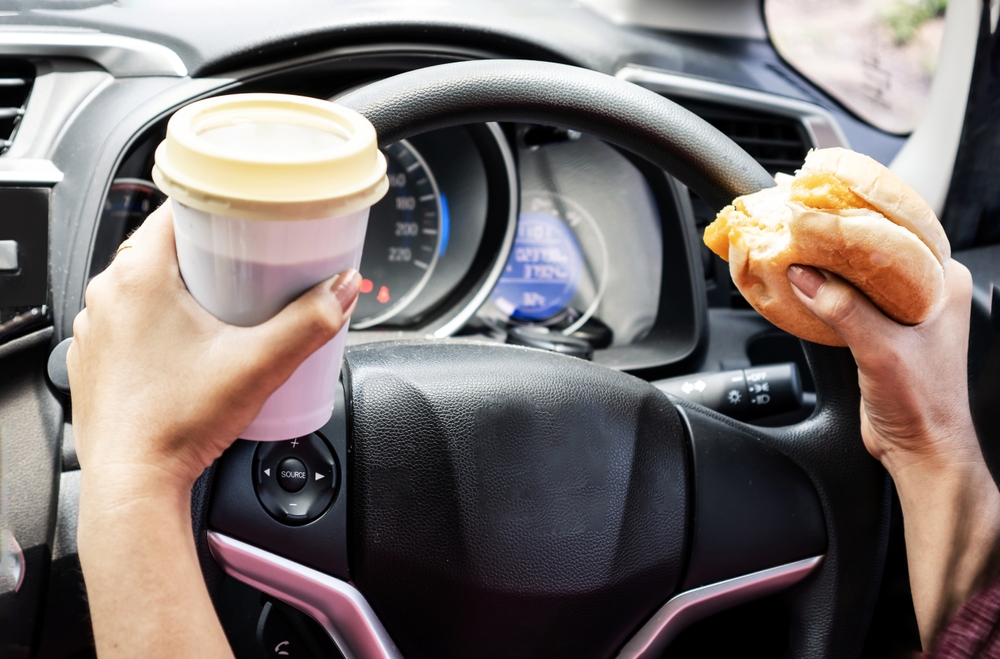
[877, 57]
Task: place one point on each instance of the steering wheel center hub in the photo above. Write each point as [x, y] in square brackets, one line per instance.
[526, 495]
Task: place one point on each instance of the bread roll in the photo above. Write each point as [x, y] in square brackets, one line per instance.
[845, 213]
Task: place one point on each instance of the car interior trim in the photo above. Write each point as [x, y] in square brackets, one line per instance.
[122, 57]
[12, 565]
[24, 323]
[458, 320]
[824, 130]
[61, 90]
[29, 171]
[731, 18]
[693, 605]
[346, 615]
[335, 604]
[368, 51]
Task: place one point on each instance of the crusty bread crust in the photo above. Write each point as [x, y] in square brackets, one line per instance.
[884, 190]
[895, 255]
[886, 262]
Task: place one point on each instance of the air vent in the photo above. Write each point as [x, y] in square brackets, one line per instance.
[16, 78]
[778, 143]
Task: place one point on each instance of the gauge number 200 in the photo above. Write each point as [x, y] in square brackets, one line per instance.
[407, 228]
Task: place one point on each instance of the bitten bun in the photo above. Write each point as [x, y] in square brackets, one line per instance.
[845, 213]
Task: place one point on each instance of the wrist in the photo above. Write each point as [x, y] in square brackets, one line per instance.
[120, 493]
[935, 453]
[136, 457]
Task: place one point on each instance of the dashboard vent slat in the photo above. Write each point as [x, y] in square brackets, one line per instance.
[16, 79]
[778, 143]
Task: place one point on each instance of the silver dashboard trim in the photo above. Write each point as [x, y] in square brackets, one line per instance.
[456, 322]
[12, 567]
[823, 128]
[29, 171]
[721, 18]
[335, 604]
[689, 607]
[122, 57]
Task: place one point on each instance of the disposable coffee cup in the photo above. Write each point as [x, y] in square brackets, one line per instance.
[270, 196]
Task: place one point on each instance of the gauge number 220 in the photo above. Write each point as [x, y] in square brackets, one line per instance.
[400, 254]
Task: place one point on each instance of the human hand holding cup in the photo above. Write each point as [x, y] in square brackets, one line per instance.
[270, 195]
[160, 386]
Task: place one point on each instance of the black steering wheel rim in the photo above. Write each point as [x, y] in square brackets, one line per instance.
[621, 113]
[831, 609]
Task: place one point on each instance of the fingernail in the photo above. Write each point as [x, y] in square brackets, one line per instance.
[345, 287]
[806, 278]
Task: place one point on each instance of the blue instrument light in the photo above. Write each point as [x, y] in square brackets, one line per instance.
[543, 270]
[445, 224]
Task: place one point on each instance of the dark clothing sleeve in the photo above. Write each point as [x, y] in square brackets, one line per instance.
[974, 631]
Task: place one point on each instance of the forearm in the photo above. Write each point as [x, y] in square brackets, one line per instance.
[147, 596]
[951, 517]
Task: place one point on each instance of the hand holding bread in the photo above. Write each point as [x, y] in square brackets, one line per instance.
[845, 253]
[845, 213]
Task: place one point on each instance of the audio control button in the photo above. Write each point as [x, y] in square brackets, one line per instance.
[296, 480]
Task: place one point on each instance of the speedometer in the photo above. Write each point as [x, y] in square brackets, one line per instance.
[403, 240]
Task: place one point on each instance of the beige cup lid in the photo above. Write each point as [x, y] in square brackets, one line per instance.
[271, 156]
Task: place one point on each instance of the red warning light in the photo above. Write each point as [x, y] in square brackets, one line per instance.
[383, 294]
[366, 285]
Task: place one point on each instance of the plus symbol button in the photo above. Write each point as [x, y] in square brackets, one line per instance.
[295, 442]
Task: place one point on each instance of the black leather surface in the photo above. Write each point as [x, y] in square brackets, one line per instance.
[624, 114]
[507, 502]
[753, 507]
[832, 608]
[201, 497]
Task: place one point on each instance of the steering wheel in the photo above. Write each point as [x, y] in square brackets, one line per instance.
[501, 501]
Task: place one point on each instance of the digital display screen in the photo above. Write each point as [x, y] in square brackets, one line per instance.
[543, 271]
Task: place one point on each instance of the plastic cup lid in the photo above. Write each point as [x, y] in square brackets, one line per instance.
[271, 157]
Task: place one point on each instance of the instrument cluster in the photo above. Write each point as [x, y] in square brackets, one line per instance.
[576, 250]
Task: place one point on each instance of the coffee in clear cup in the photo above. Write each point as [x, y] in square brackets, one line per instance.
[270, 196]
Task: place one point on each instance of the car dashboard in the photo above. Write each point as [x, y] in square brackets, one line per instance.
[488, 230]
[491, 232]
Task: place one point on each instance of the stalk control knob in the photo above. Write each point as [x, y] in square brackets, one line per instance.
[745, 394]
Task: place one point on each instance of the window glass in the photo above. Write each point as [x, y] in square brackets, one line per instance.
[877, 57]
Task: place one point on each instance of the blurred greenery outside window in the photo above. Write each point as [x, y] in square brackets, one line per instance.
[877, 57]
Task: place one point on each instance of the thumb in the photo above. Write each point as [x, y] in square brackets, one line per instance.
[282, 343]
[839, 305]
